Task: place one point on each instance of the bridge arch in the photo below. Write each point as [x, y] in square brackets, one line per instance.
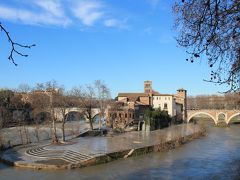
[97, 117]
[231, 117]
[201, 112]
[75, 116]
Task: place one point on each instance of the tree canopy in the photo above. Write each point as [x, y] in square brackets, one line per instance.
[211, 29]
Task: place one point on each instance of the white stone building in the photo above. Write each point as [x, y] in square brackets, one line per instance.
[165, 102]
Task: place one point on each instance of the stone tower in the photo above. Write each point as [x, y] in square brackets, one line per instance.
[148, 90]
[148, 87]
[182, 99]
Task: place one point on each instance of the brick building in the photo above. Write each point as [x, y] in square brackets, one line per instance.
[174, 104]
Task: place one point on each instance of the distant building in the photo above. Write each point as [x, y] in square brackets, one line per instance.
[174, 104]
[119, 114]
[181, 99]
[142, 98]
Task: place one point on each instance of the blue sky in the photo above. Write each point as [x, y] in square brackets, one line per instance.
[78, 41]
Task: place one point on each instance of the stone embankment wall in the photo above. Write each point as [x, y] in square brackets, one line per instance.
[162, 146]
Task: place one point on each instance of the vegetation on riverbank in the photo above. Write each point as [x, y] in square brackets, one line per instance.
[157, 119]
[222, 125]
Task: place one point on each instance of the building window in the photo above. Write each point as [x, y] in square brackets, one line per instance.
[125, 115]
[165, 106]
[168, 98]
[130, 115]
[120, 115]
[165, 98]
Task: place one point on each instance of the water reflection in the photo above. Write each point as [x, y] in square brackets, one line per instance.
[215, 156]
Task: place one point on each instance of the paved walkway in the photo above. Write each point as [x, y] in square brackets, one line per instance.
[83, 149]
[21, 135]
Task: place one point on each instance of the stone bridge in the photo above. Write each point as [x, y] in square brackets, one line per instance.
[216, 115]
[95, 112]
[79, 111]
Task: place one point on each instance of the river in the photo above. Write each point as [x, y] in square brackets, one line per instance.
[216, 156]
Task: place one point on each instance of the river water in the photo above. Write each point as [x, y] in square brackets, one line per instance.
[216, 156]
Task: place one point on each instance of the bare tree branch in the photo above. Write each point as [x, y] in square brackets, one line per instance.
[210, 29]
[14, 46]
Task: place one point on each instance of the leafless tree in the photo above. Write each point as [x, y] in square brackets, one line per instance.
[227, 101]
[211, 29]
[52, 90]
[5, 104]
[14, 46]
[24, 88]
[62, 101]
[103, 97]
[232, 100]
[46, 101]
[92, 96]
[87, 101]
[20, 115]
[40, 104]
[191, 102]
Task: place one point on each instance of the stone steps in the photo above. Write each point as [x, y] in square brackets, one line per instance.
[41, 152]
[75, 157]
[35, 151]
[69, 155]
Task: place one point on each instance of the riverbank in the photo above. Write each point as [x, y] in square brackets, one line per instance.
[87, 151]
[22, 135]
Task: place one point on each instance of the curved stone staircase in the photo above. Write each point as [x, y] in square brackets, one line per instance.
[70, 156]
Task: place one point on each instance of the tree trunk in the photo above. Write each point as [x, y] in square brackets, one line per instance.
[91, 124]
[20, 133]
[36, 134]
[54, 136]
[63, 131]
[90, 118]
[26, 134]
[63, 125]
[99, 122]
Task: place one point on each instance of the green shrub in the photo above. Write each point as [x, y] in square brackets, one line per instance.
[157, 119]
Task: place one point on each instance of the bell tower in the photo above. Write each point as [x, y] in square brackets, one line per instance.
[182, 98]
[148, 87]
